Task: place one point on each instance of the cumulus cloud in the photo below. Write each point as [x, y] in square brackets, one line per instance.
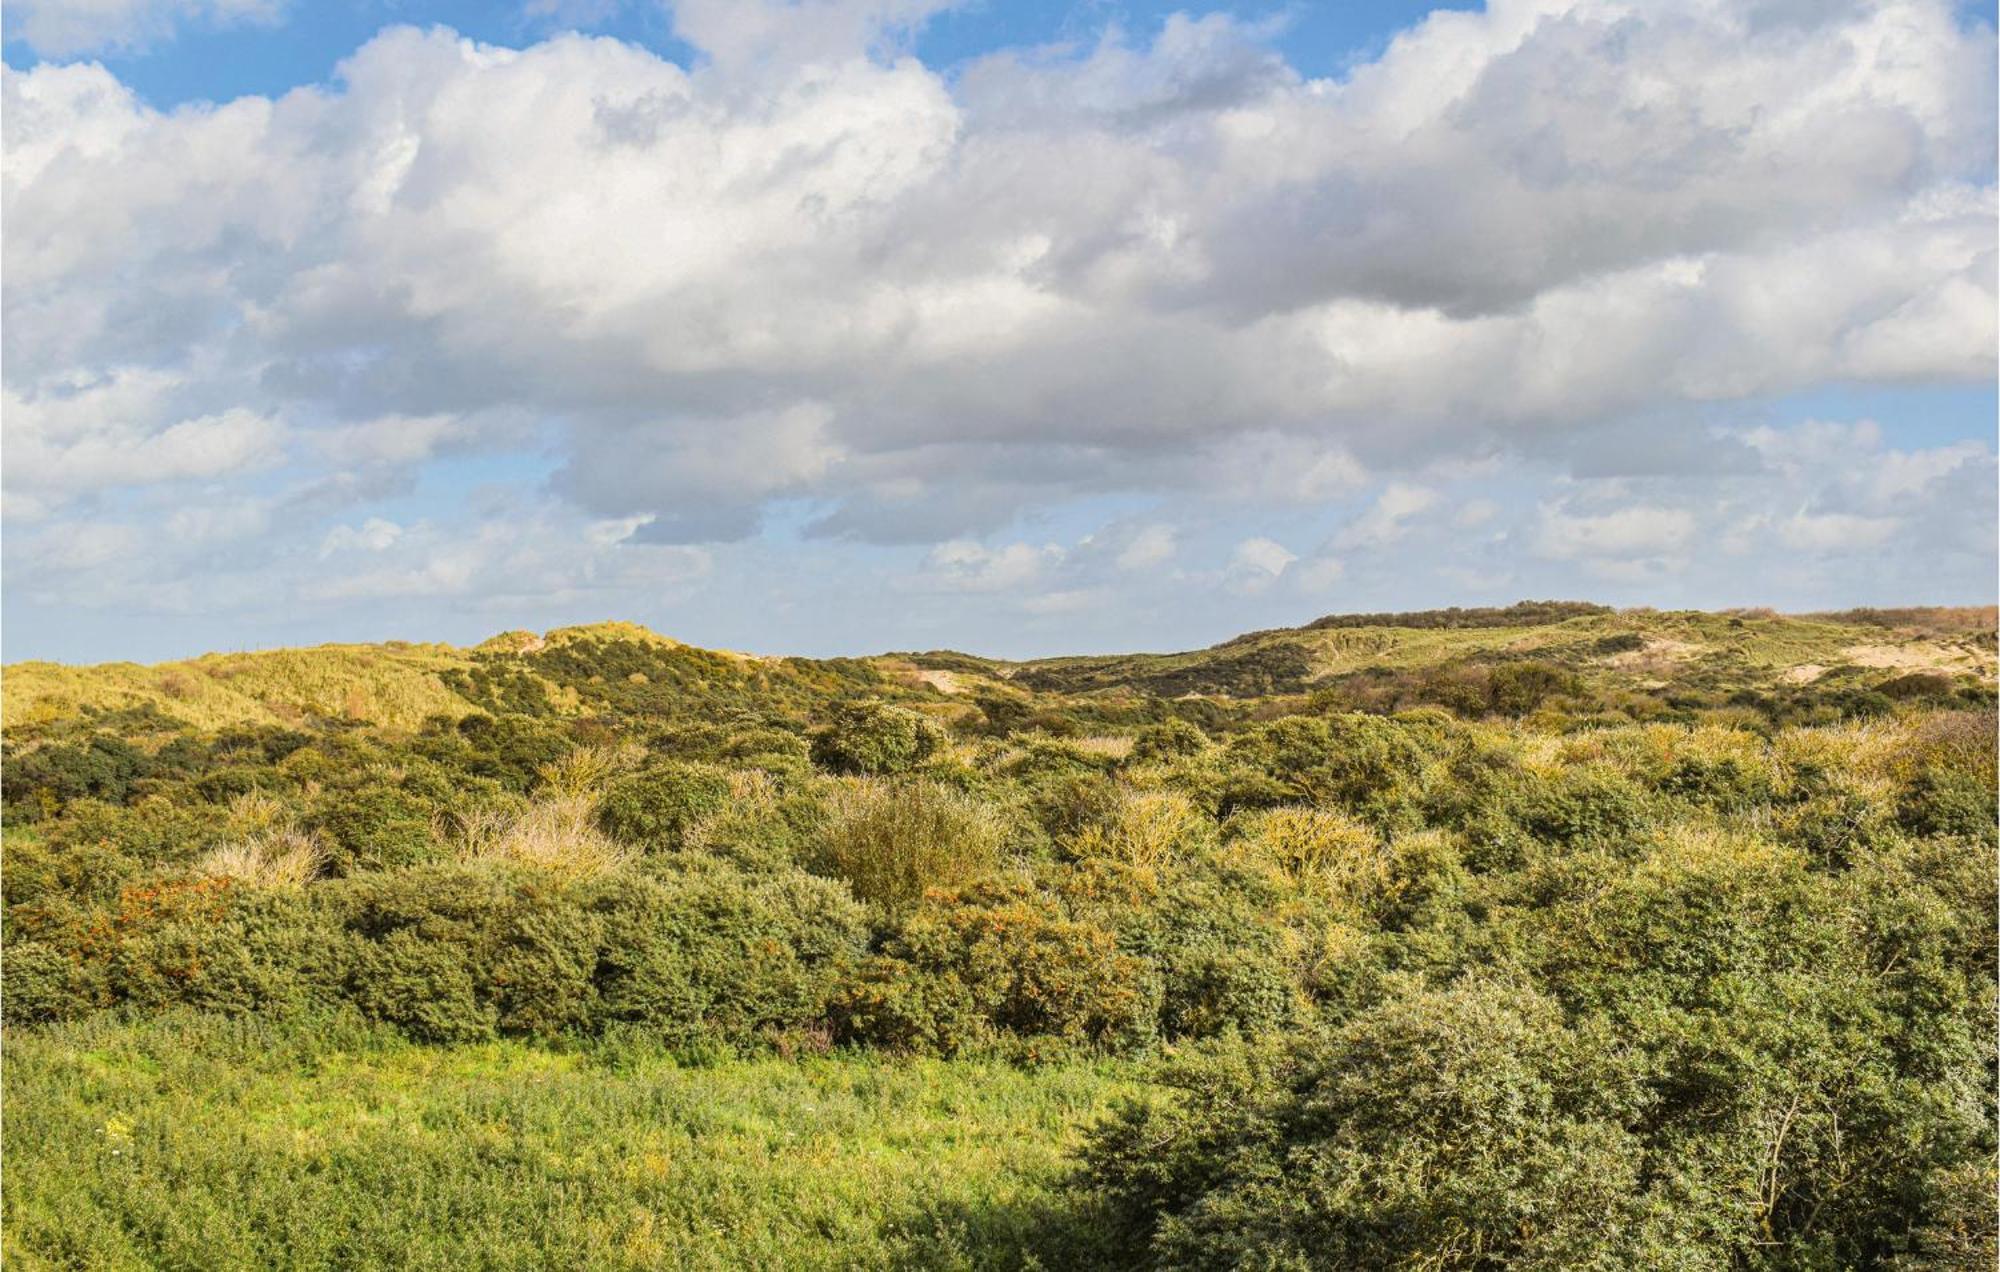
[123, 430]
[1386, 518]
[808, 276]
[62, 28]
[1834, 531]
[829, 274]
[1151, 546]
[1256, 564]
[377, 534]
[1640, 530]
[964, 565]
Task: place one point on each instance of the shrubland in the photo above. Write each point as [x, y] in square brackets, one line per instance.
[1526, 961]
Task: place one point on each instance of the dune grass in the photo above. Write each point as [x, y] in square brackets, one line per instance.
[210, 1143]
[395, 685]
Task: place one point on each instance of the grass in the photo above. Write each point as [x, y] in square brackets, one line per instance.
[394, 685]
[209, 1143]
[397, 685]
[1751, 650]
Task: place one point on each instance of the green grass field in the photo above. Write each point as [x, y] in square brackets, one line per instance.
[205, 1143]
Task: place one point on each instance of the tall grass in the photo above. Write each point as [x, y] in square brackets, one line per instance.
[891, 840]
[192, 1143]
[277, 858]
[557, 834]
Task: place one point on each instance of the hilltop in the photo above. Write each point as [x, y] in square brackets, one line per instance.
[560, 942]
[1475, 660]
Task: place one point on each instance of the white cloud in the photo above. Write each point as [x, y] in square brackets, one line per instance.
[62, 28]
[529, 557]
[390, 439]
[1256, 564]
[122, 431]
[1834, 531]
[809, 281]
[1474, 513]
[1385, 520]
[1320, 574]
[219, 521]
[1631, 532]
[964, 565]
[808, 269]
[1151, 546]
[376, 534]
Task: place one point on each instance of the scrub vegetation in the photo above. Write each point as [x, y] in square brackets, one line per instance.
[1544, 937]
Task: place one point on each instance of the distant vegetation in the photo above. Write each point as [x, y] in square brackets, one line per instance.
[1519, 614]
[1540, 937]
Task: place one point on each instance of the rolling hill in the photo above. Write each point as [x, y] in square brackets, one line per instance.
[1370, 658]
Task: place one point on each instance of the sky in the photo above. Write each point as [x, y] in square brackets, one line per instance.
[840, 326]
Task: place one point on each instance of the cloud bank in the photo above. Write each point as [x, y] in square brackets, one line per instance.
[811, 279]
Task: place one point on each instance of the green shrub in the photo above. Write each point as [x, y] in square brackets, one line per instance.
[423, 985]
[1067, 803]
[996, 961]
[420, 948]
[1167, 741]
[201, 942]
[44, 779]
[1362, 763]
[1944, 801]
[874, 738]
[40, 982]
[1723, 782]
[1222, 963]
[71, 867]
[1457, 1128]
[1580, 804]
[544, 965]
[377, 827]
[654, 807]
[718, 957]
[760, 828]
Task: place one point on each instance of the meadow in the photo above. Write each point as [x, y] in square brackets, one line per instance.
[204, 1142]
[1545, 937]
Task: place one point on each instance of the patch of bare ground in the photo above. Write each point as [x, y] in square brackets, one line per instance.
[1657, 653]
[1914, 657]
[942, 681]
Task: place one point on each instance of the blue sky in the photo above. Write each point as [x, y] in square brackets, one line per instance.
[206, 60]
[833, 326]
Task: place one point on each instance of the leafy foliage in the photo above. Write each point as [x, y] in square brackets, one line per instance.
[1550, 938]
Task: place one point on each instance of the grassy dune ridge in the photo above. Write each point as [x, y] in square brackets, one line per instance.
[1542, 937]
[399, 684]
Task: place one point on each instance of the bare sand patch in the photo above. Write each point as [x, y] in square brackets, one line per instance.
[1658, 651]
[1907, 657]
[942, 681]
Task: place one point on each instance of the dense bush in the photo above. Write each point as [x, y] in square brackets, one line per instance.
[876, 738]
[1554, 971]
[721, 957]
[1002, 959]
[1458, 1128]
[1168, 740]
[378, 827]
[709, 957]
[654, 807]
[41, 781]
